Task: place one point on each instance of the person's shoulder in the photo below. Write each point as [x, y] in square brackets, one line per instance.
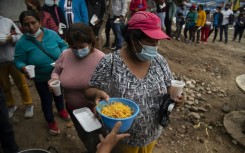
[98, 52]
[50, 32]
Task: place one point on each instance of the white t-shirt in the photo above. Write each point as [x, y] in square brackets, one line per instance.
[226, 15]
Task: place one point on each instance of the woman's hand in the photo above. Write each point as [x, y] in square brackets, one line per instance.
[111, 139]
[51, 80]
[101, 95]
[179, 100]
[23, 70]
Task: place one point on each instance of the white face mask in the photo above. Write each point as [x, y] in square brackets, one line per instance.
[51, 2]
[81, 52]
[39, 31]
[147, 52]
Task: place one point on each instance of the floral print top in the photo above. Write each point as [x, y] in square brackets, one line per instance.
[113, 76]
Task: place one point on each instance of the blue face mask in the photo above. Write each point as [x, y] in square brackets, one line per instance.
[39, 31]
[81, 52]
[147, 53]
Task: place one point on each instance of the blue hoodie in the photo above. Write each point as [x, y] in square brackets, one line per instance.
[79, 9]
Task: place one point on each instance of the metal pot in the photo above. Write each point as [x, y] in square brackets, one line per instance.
[34, 151]
[38, 150]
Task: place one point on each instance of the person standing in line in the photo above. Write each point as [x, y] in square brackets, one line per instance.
[74, 69]
[7, 138]
[201, 19]
[170, 14]
[225, 23]
[190, 24]
[55, 11]
[180, 20]
[117, 18]
[239, 26]
[96, 8]
[41, 48]
[161, 12]
[7, 68]
[217, 21]
[137, 5]
[151, 6]
[137, 72]
[74, 11]
[206, 28]
[46, 19]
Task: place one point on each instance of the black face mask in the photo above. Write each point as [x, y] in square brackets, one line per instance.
[226, 9]
[29, 8]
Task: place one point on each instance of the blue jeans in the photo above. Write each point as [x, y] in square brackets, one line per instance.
[116, 28]
[162, 15]
[7, 139]
[46, 101]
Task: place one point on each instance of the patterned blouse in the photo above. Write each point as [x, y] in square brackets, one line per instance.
[113, 76]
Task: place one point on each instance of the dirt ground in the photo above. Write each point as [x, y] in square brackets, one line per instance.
[213, 63]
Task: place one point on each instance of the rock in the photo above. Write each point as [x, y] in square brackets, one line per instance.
[193, 109]
[234, 142]
[194, 115]
[196, 101]
[210, 127]
[208, 89]
[171, 129]
[226, 108]
[199, 95]
[201, 109]
[208, 106]
[209, 92]
[189, 102]
[181, 130]
[190, 98]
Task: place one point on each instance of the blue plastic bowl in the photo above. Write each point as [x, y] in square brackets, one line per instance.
[109, 122]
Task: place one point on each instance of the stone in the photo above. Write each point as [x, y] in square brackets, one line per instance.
[226, 108]
[234, 142]
[199, 95]
[189, 102]
[193, 109]
[194, 115]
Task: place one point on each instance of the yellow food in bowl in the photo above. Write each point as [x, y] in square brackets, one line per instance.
[117, 110]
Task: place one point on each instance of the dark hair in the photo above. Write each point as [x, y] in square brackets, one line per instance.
[80, 32]
[129, 34]
[28, 13]
[35, 3]
[218, 7]
[200, 6]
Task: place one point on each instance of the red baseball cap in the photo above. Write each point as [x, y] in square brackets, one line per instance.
[148, 23]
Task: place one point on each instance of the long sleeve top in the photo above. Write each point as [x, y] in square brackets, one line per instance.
[217, 19]
[170, 9]
[74, 74]
[119, 8]
[79, 9]
[191, 19]
[226, 14]
[27, 53]
[96, 7]
[141, 5]
[201, 18]
[7, 49]
[56, 13]
[47, 21]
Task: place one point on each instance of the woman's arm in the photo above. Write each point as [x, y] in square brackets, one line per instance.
[96, 95]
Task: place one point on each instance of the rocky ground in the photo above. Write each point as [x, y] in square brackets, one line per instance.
[209, 71]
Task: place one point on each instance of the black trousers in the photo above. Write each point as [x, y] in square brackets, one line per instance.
[216, 30]
[238, 31]
[168, 25]
[7, 138]
[224, 28]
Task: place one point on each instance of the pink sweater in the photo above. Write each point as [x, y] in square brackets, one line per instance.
[74, 74]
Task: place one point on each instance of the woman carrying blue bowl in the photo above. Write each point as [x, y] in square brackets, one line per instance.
[136, 72]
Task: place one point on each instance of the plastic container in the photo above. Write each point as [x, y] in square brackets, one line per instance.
[87, 119]
[109, 122]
